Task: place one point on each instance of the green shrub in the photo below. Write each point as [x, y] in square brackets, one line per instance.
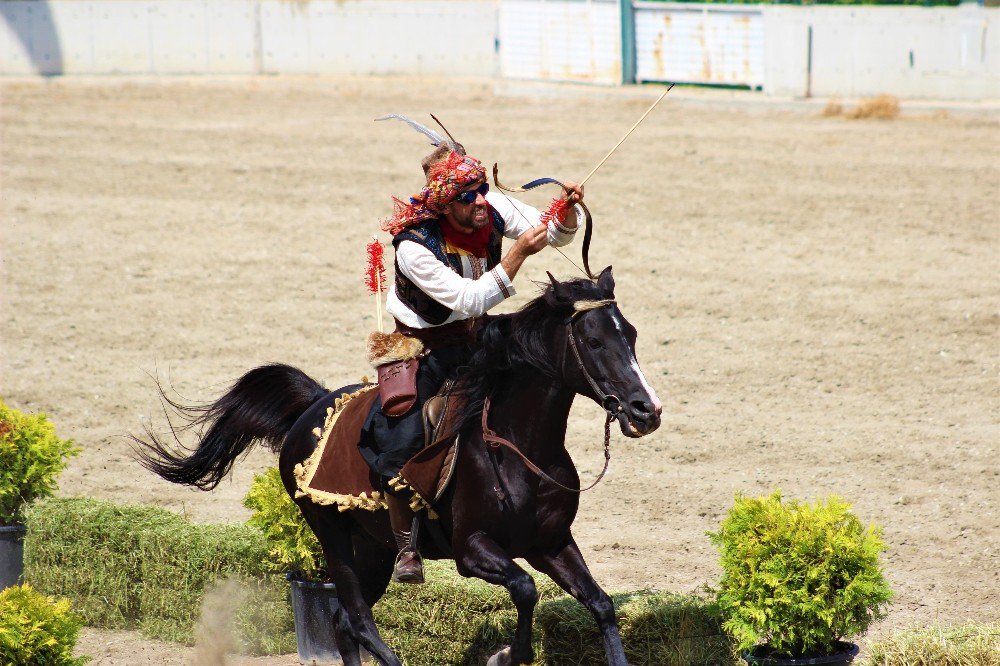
[31, 457]
[973, 644]
[36, 630]
[798, 577]
[292, 545]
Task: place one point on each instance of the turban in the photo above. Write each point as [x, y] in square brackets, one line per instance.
[445, 180]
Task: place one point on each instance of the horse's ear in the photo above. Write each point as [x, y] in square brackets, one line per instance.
[558, 290]
[606, 282]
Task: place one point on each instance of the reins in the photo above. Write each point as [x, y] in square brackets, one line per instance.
[495, 441]
[612, 405]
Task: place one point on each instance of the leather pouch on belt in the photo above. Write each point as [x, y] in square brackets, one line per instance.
[397, 386]
[396, 357]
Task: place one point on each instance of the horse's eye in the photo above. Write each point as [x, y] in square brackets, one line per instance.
[594, 343]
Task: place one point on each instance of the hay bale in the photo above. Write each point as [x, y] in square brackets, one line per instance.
[883, 107]
[972, 644]
[130, 567]
[88, 551]
[179, 561]
[449, 619]
[139, 567]
[657, 629]
[264, 623]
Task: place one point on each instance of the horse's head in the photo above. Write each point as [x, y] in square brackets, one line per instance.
[598, 358]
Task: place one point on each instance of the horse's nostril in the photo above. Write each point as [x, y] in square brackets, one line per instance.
[641, 407]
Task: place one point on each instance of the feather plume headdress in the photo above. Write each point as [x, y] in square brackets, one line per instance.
[446, 178]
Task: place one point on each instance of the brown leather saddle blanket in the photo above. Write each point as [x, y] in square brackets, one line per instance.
[337, 475]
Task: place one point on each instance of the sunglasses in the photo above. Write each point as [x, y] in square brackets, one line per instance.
[471, 195]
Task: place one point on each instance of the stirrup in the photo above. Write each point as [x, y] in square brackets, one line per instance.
[409, 567]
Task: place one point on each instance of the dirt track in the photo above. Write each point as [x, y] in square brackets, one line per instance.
[817, 299]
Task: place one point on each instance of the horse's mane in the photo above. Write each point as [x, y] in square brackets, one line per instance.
[511, 343]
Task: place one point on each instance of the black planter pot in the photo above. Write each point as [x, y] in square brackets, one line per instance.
[845, 654]
[11, 554]
[314, 606]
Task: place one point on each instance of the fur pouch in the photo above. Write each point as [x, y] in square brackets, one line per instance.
[396, 357]
[385, 348]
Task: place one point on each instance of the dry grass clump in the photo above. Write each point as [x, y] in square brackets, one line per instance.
[973, 644]
[833, 108]
[883, 107]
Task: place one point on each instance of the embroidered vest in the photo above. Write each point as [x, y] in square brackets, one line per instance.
[428, 234]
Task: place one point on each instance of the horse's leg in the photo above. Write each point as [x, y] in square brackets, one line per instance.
[352, 581]
[373, 566]
[347, 645]
[568, 569]
[481, 557]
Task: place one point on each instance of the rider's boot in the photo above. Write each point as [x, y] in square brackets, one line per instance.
[409, 565]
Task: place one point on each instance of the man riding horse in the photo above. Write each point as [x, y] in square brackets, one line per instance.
[513, 490]
[448, 274]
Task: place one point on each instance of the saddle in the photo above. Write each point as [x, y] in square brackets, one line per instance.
[429, 472]
[336, 473]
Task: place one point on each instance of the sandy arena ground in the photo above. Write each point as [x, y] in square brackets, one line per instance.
[816, 298]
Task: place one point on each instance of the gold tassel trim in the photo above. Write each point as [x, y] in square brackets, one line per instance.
[417, 503]
[373, 502]
[306, 470]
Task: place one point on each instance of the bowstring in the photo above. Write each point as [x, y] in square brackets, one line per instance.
[521, 213]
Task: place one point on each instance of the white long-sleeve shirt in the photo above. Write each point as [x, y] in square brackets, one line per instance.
[475, 291]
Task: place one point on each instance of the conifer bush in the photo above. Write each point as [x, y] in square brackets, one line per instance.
[292, 545]
[35, 629]
[798, 577]
[31, 457]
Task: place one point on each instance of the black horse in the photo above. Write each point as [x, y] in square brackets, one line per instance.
[531, 364]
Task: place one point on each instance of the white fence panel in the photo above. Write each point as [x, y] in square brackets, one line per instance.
[708, 44]
[910, 52]
[431, 37]
[560, 40]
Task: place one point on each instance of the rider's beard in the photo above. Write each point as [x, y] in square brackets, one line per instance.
[472, 218]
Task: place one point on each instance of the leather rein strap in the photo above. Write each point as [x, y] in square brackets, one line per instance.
[612, 405]
[495, 441]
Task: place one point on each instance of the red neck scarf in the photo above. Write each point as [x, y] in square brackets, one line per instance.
[475, 243]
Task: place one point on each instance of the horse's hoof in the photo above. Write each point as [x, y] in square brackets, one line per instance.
[501, 658]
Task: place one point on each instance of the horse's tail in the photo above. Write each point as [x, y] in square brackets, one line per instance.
[261, 406]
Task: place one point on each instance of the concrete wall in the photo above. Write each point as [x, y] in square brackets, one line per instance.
[436, 37]
[910, 52]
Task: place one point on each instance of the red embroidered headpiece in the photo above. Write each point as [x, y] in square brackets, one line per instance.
[445, 180]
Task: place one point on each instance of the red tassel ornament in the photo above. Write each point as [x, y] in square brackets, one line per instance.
[375, 270]
[375, 276]
[556, 212]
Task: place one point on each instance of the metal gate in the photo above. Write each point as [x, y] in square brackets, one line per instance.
[707, 44]
[560, 40]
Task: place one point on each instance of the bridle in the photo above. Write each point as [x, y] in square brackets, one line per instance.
[612, 405]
